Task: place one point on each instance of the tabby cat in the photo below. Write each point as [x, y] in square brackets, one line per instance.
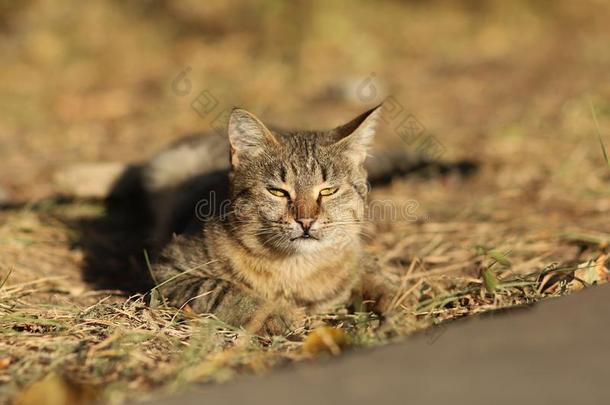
[283, 240]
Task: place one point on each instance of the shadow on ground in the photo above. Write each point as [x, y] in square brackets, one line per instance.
[114, 243]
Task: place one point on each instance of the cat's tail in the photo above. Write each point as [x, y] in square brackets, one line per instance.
[188, 157]
[384, 165]
[97, 181]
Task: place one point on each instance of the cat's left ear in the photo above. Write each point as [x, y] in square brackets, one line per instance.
[355, 137]
[248, 136]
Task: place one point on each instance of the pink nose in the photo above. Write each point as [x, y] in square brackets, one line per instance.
[305, 223]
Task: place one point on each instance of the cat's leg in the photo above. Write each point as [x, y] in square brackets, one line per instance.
[228, 301]
[378, 290]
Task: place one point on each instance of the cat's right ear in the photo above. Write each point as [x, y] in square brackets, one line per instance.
[248, 136]
[355, 137]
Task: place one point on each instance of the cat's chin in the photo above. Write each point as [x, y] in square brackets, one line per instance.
[306, 245]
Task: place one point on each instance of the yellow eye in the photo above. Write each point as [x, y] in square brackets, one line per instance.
[278, 192]
[328, 191]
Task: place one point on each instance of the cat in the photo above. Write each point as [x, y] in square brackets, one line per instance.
[280, 238]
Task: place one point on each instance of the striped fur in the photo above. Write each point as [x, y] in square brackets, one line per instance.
[287, 242]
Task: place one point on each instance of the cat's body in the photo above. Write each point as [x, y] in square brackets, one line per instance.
[215, 274]
[278, 235]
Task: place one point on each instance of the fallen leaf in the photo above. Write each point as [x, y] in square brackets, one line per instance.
[585, 275]
[5, 362]
[55, 390]
[325, 340]
[603, 273]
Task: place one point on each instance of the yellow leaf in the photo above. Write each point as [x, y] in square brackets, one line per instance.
[54, 390]
[325, 340]
[5, 362]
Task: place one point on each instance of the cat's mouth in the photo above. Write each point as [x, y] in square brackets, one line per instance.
[305, 236]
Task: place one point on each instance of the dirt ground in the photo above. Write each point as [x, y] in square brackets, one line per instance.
[515, 86]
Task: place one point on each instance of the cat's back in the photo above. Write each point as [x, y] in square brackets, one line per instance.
[187, 183]
[188, 157]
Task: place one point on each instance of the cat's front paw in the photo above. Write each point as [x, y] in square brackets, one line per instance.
[379, 294]
[279, 320]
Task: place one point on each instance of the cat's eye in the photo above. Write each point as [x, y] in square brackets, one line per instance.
[278, 192]
[328, 191]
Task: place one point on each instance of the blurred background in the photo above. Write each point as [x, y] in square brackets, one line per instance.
[504, 81]
[511, 85]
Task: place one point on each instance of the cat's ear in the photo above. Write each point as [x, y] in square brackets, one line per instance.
[248, 136]
[355, 137]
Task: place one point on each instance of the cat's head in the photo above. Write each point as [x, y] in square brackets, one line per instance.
[298, 192]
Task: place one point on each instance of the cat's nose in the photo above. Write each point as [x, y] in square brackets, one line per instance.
[306, 224]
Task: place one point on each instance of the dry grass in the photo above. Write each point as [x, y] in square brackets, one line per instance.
[507, 84]
[112, 347]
